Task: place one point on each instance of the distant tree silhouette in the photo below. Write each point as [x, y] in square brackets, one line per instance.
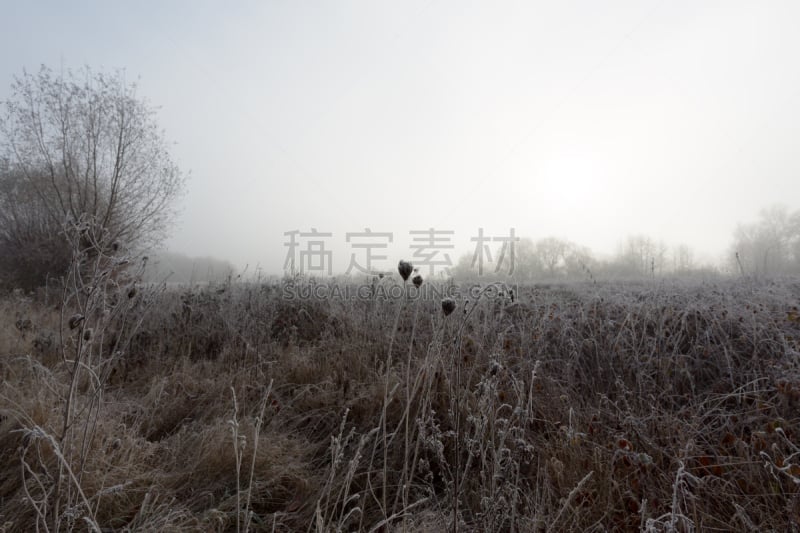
[769, 246]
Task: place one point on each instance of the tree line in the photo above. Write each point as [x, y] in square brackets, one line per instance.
[767, 247]
[82, 152]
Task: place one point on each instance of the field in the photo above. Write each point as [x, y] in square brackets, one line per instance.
[660, 406]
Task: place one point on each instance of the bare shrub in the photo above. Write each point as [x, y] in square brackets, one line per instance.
[79, 146]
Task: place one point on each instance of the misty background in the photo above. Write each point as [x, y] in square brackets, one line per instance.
[594, 124]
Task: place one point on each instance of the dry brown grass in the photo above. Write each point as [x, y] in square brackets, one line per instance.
[574, 408]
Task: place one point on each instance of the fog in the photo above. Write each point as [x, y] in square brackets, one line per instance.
[585, 121]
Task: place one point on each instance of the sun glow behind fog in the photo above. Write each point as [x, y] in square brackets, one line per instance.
[574, 181]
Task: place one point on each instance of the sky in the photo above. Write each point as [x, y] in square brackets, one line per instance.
[588, 121]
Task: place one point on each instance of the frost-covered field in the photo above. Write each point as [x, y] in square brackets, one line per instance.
[586, 407]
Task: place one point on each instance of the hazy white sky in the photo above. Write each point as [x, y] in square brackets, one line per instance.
[589, 121]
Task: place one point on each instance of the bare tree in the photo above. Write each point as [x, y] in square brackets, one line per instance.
[82, 146]
[770, 246]
[682, 259]
[578, 262]
[529, 267]
[551, 252]
[641, 256]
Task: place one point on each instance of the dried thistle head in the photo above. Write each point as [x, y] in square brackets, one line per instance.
[404, 268]
[417, 281]
[75, 321]
[448, 306]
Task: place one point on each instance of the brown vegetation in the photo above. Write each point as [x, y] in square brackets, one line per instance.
[574, 407]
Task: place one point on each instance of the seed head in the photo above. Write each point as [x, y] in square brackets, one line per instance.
[75, 321]
[417, 281]
[87, 334]
[405, 268]
[448, 306]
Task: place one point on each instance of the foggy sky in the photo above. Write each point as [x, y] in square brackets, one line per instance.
[588, 121]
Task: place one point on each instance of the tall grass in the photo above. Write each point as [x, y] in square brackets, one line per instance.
[652, 406]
